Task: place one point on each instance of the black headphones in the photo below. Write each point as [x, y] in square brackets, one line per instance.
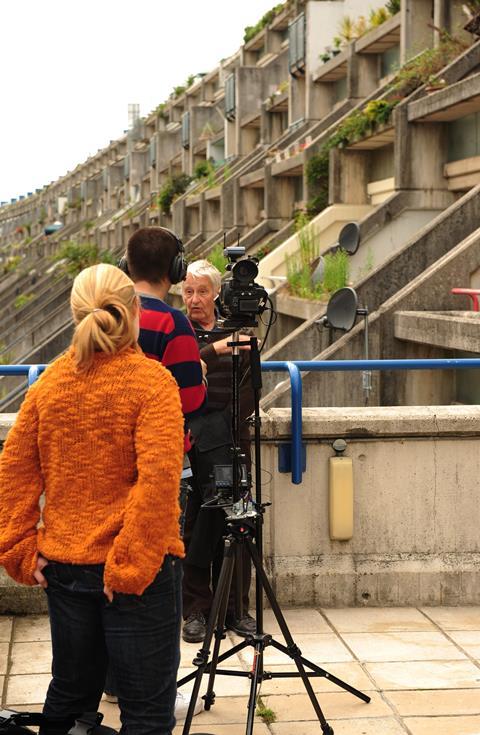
[178, 267]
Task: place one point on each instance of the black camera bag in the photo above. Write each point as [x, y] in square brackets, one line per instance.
[88, 723]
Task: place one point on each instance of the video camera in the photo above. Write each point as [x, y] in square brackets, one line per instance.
[241, 299]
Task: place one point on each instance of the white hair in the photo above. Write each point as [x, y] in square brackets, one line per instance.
[200, 268]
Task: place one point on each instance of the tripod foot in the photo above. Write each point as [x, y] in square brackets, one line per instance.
[209, 699]
[327, 730]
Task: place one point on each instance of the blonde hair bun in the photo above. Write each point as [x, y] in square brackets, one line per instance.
[104, 304]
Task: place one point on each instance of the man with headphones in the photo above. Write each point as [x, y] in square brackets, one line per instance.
[155, 260]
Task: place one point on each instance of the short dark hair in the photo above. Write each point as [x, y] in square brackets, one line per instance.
[150, 252]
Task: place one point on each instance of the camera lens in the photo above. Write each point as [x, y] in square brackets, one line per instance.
[245, 271]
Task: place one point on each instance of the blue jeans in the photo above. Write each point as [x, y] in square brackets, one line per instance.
[139, 637]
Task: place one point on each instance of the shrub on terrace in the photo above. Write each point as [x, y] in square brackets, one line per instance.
[265, 20]
[217, 258]
[79, 255]
[174, 187]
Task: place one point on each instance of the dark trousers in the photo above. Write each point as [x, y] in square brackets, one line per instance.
[139, 636]
[200, 582]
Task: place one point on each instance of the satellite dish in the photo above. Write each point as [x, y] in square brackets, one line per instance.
[318, 272]
[342, 309]
[349, 238]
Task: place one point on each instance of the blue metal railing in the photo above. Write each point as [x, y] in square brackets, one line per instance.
[31, 371]
[296, 367]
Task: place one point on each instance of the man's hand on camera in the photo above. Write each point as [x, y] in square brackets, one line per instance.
[222, 346]
[41, 564]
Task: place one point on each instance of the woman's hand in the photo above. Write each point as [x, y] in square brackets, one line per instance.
[108, 593]
[41, 564]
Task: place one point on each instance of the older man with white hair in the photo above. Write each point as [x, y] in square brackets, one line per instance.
[204, 529]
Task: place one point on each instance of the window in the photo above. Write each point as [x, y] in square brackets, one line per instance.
[340, 90]
[389, 61]
[464, 137]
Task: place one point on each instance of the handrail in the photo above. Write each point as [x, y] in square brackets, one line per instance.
[32, 372]
[296, 367]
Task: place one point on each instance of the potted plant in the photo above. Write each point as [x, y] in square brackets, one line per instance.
[337, 43]
[324, 57]
[435, 83]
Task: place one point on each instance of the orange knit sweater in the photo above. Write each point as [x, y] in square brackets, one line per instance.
[106, 447]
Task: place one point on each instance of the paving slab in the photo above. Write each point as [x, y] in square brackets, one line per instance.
[31, 657]
[338, 705]
[298, 621]
[443, 725]
[363, 726]
[402, 646]
[469, 640]
[27, 689]
[5, 628]
[454, 618]
[435, 703]
[425, 675]
[3, 657]
[377, 619]
[32, 628]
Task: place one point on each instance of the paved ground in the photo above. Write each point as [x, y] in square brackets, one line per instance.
[421, 668]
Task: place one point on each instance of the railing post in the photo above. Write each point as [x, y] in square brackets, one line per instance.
[296, 391]
[33, 374]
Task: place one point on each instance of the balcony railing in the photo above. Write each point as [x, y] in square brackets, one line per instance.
[296, 46]
[186, 130]
[230, 101]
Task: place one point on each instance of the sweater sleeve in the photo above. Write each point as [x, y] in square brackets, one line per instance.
[21, 484]
[182, 358]
[151, 520]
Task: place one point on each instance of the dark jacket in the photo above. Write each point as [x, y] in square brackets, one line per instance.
[212, 434]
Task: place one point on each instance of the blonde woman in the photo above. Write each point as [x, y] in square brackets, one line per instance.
[101, 435]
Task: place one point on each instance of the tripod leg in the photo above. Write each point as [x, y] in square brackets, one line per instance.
[223, 590]
[293, 650]
[257, 674]
[220, 601]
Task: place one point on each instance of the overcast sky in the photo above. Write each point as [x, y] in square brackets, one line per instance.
[69, 70]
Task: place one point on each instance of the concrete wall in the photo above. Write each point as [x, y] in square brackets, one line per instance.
[416, 511]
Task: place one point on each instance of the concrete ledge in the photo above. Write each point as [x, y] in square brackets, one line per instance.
[20, 599]
[377, 421]
[381, 38]
[456, 330]
[457, 100]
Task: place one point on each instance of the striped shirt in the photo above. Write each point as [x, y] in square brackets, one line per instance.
[166, 335]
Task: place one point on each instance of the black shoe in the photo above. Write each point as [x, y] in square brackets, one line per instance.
[194, 628]
[244, 627]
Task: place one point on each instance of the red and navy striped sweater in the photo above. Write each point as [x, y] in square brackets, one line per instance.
[166, 335]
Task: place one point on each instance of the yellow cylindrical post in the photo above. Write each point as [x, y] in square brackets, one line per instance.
[341, 498]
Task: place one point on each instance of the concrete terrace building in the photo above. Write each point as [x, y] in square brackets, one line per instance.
[240, 151]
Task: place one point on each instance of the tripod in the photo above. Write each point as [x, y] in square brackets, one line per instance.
[245, 528]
